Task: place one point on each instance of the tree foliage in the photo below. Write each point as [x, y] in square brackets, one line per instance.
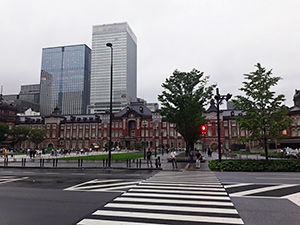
[37, 136]
[4, 131]
[183, 99]
[20, 134]
[264, 114]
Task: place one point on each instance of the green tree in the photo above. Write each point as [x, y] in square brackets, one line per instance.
[4, 132]
[20, 134]
[37, 136]
[264, 114]
[183, 99]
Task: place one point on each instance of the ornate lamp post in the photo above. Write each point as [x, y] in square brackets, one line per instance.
[219, 99]
[110, 103]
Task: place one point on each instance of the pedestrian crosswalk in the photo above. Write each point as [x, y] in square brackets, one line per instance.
[112, 185]
[261, 190]
[169, 197]
[8, 179]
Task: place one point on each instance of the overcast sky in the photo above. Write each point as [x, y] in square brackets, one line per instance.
[224, 38]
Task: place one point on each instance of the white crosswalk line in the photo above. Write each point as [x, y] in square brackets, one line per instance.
[163, 216]
[172, 201]
[174, 208]
[181, 188]
[176, 196]
[182, 185]
[177, 191]
[109, 222]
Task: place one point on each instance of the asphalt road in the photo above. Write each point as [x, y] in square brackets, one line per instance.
[76, 196]
[264, 198]
[34, 197]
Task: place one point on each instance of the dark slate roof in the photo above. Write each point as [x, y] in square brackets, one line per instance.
[138, 107]
[6, 105]
[212, 108]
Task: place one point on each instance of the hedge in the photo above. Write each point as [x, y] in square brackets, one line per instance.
[255, 165]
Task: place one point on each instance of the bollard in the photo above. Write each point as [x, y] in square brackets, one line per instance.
[137, 163]
[103, 162]
[129, 162]
[78, 162]
[156, 164]
[126, 162]
[140, 163]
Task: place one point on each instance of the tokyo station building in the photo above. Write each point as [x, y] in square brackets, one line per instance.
[138, 124]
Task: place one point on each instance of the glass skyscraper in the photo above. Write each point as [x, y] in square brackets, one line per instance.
[65, 79]
[124, 67]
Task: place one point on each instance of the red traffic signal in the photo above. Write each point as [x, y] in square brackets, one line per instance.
[203, 129]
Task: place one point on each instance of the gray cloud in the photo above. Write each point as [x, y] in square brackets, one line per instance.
[224, 38]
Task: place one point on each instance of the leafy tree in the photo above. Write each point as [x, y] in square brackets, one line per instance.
[264, 114]
[20, 134]
[4, 132]
[37, 136]
[183, 99]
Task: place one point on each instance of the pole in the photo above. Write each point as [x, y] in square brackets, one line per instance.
[110, 104]
[144, 123]
[218, 122]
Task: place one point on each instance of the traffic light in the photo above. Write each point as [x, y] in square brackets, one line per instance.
[203, 129]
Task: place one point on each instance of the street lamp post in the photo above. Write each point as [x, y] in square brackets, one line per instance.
[219, 99]
[110, 103]
[144, 124]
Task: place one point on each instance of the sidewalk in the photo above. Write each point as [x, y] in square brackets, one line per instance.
[48, 161]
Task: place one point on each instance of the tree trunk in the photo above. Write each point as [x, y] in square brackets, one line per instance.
[266, 144]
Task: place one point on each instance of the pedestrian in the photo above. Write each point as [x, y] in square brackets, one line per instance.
[173, 157]
[191, 160]
[198, 159]
[149, 155]
[158, 162]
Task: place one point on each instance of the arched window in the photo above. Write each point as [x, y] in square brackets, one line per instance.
[294, 133]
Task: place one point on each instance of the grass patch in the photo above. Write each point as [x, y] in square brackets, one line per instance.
[114, 157]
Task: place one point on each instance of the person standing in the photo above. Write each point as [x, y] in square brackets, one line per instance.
[198, 159]
[173, 157]
[149, 155]
[191, 160]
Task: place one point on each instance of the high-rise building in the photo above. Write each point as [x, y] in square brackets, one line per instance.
[65, 79]
[30, 93]
[124, 67]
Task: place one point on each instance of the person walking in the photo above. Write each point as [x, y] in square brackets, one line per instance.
[191, 160]
[173, 157]
[149, 155]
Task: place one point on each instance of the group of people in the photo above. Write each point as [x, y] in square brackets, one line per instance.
[174, 160]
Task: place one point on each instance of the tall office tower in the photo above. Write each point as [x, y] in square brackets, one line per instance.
[124, 67]
[65, 79]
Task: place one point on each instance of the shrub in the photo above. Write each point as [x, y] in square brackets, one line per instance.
[256, 165]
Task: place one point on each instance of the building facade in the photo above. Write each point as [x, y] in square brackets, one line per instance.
[132, 125]
[137, 124]
[65, 79]
[124, 67]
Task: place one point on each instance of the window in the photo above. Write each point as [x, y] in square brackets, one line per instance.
[294, 133]
[54, 126]
[226, 133]
[233, 123]
[233, 132]
[53, 133]
[225, 123]
[61, 134]
[48, 126]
